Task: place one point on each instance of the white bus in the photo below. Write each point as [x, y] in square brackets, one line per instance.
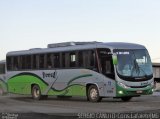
[92, 69]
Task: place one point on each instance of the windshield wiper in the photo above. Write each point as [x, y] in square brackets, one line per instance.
[137, 68]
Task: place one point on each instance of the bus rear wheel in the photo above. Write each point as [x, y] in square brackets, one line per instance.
[93, 94]
[126, 99]
[36, 92]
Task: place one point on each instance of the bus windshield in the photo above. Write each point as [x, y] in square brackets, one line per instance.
[133, 63]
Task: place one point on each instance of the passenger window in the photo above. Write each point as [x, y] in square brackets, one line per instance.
[9, 63]
[28, 62]
[41, 61]
[15, 63]
[2, 68]
[56, 60]
[62, 60]
[80, 59]
[49, 61]
[72, 59]
[34, 62]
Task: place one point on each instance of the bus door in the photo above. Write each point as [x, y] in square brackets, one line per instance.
[107, 69]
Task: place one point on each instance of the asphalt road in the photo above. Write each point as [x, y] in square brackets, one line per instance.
[26, 107]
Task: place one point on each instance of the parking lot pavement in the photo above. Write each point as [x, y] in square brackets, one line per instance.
[26, 107]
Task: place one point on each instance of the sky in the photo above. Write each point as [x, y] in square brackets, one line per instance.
[26, 24]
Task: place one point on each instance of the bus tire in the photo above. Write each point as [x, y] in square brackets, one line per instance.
[36, 92]
[93, 94]
[126, 99]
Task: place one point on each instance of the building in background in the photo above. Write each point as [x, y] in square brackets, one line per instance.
[156, 71]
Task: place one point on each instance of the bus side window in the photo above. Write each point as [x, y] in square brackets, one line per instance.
[41, 61]
[67, 60]
[85, 59]
[92, 60]
[23, 62]
[19, 62]
[56, 60]
[49, 61]
[80, 59]
[28, 62]
[15, 63]
[62, 60]
[88, 59]
[9, 63]
[77, 59]
[2, 68]
[72, 59]
[34, 61]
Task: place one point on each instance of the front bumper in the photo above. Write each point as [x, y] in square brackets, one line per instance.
[133, 92]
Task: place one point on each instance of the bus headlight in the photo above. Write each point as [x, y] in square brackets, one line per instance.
[120, 92]
[123, 85]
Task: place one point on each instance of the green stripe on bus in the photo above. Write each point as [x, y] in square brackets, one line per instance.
[21, 84]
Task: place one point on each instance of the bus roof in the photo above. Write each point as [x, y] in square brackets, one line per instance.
[110, 45]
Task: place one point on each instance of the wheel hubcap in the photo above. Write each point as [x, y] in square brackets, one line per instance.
[36, 92]
[93, 93]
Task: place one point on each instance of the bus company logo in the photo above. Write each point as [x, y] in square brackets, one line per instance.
[49, 75]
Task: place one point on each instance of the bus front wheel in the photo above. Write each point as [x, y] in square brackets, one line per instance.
[93, 94]
[126, 99]
[36, 92]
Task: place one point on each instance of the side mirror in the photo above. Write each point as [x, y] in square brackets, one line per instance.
[115, 60]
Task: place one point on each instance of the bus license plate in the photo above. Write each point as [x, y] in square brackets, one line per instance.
[139, 91]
